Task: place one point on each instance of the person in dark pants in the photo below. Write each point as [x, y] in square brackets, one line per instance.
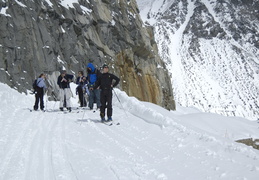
[92, 76]
[39, 92]
[81, 82]
[106, 84]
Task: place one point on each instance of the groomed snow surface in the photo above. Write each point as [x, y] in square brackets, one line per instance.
[150, 142]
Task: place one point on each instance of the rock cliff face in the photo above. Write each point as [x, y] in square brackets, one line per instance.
[50, 35]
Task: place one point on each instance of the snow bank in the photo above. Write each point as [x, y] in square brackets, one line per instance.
[208, 124]
[142, 110]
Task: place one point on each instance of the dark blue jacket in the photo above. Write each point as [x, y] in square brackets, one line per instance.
[64, 82]
[81, 83]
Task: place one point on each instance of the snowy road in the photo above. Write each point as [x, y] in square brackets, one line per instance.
[53, 145]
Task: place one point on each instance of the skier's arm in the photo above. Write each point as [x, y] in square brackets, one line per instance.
[77, 80]
[70, 77]
[59, 81]
[42, 84]
[45, 86]
[98, 74]
[97, 83]
[117, 80]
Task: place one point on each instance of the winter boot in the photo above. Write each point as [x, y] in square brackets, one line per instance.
[61, 109]
[109, 118]
[102, 117]
[69, 109]
[103, 120]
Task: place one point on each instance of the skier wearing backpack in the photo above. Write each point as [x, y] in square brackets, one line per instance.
[106, 84]
[65, 92]
[92, 77]
[39, 86]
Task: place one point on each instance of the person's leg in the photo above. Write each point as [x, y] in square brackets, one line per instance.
[103, 104]
[81, 96]
[84, 101]
[35, 107]
[97, 95]
[91, 99]
[61, 96]
[41, 99]
[68, 96]
[109, 104]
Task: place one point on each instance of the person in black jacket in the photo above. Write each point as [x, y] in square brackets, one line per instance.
[106, 84]
[39, 92]
[81, 82]
[65, 92]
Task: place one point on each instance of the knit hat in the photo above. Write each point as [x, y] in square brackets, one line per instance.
[105, 65]
[63, 72]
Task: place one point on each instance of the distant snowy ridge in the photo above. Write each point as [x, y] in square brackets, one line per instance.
[211, 50]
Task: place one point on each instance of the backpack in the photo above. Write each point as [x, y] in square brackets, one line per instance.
[93, 77]
[35, 85]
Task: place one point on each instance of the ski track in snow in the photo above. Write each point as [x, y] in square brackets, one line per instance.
[53, 145]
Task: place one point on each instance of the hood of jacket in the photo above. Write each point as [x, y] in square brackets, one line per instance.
[90, 65]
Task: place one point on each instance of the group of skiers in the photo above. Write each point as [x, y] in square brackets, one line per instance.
[96, 86]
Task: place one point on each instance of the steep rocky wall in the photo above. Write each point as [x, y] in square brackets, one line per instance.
[47, 36]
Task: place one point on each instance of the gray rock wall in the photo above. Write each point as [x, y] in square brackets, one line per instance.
[47, 36]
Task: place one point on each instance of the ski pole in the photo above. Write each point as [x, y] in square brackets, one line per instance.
[82, 117]
[120, 102]
[46, 93]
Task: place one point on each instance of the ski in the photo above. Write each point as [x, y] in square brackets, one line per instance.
[110, 123]
[73, 110]
[67, 112]
[114, 124]
[32, 110]
[107, 123]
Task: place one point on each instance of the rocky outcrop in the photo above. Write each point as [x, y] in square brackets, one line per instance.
[49, 35]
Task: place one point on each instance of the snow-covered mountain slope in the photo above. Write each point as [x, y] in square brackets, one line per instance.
[151, 143]
[211, 49]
